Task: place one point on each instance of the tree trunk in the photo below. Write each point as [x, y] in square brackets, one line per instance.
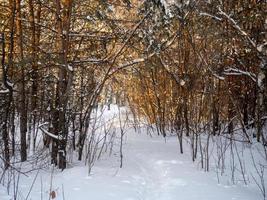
[6, 103]
[23, 104]
[186, 117]
[63, 15]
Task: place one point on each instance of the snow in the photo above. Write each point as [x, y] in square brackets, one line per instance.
[70, 68]
[57, 137]
[237, 27]
[261, 47]
[3, 193]
[182, 82]
[237, 72]
[153, 170]
[89, 18]
[209, 15]
[9, 84]
[4, 91]
[261, 77]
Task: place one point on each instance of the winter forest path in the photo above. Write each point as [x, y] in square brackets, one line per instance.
[153, 169]
[165, 174]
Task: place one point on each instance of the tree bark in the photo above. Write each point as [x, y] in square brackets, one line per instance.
[23, 104]
[63, 16]
[6, 103]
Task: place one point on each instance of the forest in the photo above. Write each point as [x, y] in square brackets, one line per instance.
[86, 85]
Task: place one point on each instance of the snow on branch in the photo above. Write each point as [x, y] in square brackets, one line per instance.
[130, 63]
[57, 137]
[237, 27]
[89, 60]
[216, 75]
[5, 91]
[211, 16]
[233, 23]
[237, 72]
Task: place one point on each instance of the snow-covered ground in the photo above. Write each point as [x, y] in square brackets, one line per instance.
[153, 169]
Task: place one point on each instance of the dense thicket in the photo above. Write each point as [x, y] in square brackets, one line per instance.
[190, 67]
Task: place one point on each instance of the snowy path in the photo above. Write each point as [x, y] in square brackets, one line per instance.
[153, 170]
[168, 175]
